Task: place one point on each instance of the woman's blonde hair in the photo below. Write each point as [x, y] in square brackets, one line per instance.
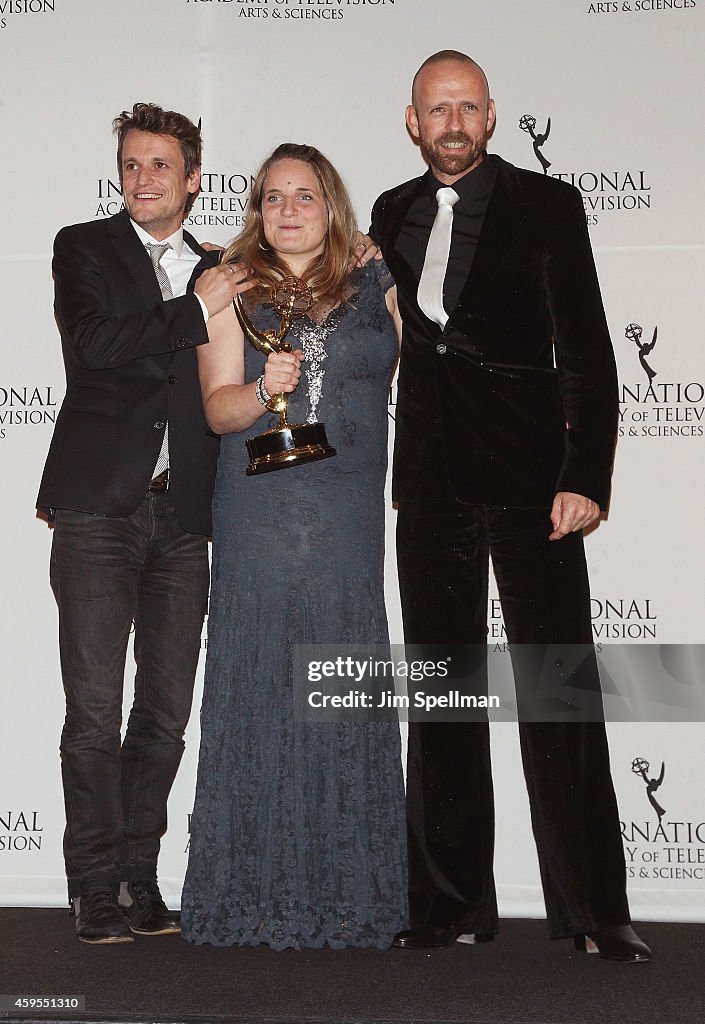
[327, 274]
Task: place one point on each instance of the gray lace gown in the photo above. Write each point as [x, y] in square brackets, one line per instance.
[297, 833]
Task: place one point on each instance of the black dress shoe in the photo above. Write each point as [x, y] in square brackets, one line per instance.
[429, 936]
[145, 911]
[619, 943]
[99, 920]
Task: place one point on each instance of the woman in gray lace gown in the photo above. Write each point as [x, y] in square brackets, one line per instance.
[297, 834]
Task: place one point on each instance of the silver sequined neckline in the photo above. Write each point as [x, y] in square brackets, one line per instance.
[312, 339]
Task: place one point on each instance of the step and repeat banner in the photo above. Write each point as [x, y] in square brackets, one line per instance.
[604, 95]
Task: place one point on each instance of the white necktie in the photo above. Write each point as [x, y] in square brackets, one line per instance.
[155, 254]
[430, 293]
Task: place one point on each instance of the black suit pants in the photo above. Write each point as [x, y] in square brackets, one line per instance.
[443, 559]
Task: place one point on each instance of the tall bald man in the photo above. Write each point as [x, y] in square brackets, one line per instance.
[505, 430]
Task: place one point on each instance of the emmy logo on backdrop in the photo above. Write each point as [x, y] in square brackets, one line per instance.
[286, 445]
[640, 766]
[527, 123]
[633, 332]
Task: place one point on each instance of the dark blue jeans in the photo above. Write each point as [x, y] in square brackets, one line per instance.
[107, 573]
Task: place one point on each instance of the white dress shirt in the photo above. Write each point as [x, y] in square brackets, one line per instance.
[178, 262]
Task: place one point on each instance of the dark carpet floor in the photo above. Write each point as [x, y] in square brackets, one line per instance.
[521, 978]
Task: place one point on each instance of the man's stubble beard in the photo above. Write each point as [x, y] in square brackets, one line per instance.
[160, 221]
[444, 161]
[153, 224]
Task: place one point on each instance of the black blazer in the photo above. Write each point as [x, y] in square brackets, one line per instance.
[130, 366]
[516, 398]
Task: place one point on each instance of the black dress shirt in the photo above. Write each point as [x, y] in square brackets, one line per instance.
[474, 189]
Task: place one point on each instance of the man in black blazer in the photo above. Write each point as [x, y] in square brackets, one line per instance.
[128, 484]
[505, 429]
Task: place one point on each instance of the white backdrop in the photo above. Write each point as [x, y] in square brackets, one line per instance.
[618, 82]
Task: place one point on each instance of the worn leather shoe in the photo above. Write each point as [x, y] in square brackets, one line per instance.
[429, 936]
[145, 911]
[619, 943]
[98, 918]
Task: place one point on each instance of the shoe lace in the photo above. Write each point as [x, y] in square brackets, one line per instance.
[98, 900]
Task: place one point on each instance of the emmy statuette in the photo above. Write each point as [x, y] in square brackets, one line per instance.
[287, 444]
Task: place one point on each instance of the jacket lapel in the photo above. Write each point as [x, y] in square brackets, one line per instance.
[132, 254]
[507, 213]
[208, 259]
[134, 258]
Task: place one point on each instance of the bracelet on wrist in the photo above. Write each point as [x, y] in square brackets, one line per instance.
[263, 396]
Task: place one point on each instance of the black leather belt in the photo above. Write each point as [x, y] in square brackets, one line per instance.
[160, 483]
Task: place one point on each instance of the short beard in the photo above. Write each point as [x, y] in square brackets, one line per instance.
[444, 161]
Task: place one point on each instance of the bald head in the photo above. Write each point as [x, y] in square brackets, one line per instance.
[451, 115]
[450, 57]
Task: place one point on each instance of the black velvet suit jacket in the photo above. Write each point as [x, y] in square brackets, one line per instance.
[516, 398]
[130, 366]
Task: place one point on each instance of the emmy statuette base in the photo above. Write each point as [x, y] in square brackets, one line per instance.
[288, 446]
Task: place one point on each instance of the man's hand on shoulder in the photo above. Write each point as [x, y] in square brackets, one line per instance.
[219, 285]
[570, 513]
[365, 249]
